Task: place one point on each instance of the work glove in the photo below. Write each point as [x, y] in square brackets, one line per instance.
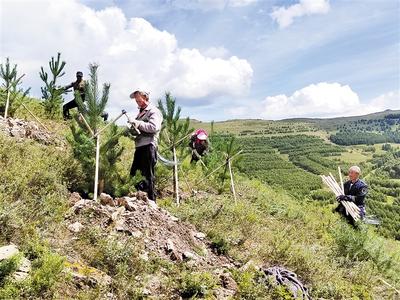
[341, 198]
[133, 122]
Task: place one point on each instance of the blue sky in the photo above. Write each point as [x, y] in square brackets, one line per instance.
[342, 49]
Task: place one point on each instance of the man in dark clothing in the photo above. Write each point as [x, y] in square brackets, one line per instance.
[79, 86]
[355, 190]
[147, 126]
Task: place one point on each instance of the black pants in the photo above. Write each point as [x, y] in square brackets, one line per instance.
[144, 160]
[67, 106]
[342, 210]
[72, 104]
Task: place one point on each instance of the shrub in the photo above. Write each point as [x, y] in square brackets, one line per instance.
[193, 285]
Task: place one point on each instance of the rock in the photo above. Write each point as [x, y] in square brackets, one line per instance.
[130, 206]
[106, 199]
[120, 225]
[152, 204]
[141, 195]
[84, 275]
[144, 256]
[146, 292]
[250, 264]
[174, 254]
[117, 213]
[175, 219]
[228, 282]
[74, 198]
[23, 270]
[188, 255]
[199, 235]
[75, 227]
[136, 234]
[120, 201]
[78, 205]
[6, 252]
[170, 246]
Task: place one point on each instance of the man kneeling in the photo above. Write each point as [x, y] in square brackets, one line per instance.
[355, 190]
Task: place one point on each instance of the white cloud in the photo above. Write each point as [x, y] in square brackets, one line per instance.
[216, 52]
[284, 16]
[240, 3]
[131, 52]
[325, 100]
[211, 4]
[390, 100]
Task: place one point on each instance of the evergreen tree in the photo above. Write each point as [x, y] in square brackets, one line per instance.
[51, 93]
[84, 144]
[12, 96]
[173, 133]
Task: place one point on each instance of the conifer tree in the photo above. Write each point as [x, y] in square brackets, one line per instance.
[83, 142]
[12, 95]
[173, 133]
[51, 92]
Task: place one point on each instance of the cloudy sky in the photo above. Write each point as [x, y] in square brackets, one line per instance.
[221, 59]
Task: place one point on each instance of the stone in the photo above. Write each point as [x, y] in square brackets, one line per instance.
[228, 282]
[152, 204]
[188, 255]
[120, 225]
[81, 203]
[117, 213]
[6, 252]
[136, 234]
[144, 256]
[106, 199]
[131, 206]
[74, 198]
[170, 245]
[84, 275]
[174, 254]
[175, 219]
[23, 270]
[75, 227]
[199, 235]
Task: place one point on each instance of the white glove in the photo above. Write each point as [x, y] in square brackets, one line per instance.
[133, 122]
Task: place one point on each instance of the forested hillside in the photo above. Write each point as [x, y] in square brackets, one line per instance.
[292, 159]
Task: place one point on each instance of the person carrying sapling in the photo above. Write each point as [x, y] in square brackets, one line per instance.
[355, 190]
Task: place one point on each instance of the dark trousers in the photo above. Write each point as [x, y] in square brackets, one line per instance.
[144, 160]
[342, 210]
[67, 106]
[72, 104]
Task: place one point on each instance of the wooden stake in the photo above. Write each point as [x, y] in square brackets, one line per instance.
[217, 168]
[232, 182]
[7, 103]
[96, 176]
[176, 182]
[341, 179]
[86, 124]
[31, 113]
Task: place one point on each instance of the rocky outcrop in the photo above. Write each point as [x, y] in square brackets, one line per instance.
[24, 265]
[21, 129]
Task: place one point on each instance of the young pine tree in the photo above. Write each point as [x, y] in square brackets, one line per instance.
[51, 93]
[83, 143]
[173, 133]
[11, 94]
